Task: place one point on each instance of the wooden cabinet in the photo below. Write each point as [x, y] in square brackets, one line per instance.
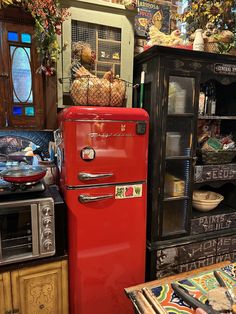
[177, 234]
[33, 290]
[5, 294]
[28, 98]
[108, 28]
[22, 103]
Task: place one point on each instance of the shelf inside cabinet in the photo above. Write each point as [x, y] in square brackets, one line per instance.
[180, 115]
[175, 198]
[178, 157]
[217, 117]
[116, 61]
[109, 41]
[219, 210]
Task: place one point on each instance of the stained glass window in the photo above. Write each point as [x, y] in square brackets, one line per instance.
[26, 38]
[21, 74]
[17, 111]
[12, 36]
[29, 111]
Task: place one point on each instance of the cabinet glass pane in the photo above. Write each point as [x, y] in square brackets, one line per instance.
[179, 136]
[181, 95]
[174, 214]
[176, 178]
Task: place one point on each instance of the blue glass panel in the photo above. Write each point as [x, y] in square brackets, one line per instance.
[21, 74]
[12, 36]
[17, 111]
[29, 111]
[26, 38]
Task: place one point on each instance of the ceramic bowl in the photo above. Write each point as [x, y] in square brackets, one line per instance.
[206, 200]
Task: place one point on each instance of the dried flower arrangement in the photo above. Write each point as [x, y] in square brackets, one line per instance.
[49, 16]
[217, 13]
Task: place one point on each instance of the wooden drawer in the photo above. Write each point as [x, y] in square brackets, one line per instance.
[185, 267]
[209, 173]
[226, 245]
[226, 257]
[213, 223]
[186, 253]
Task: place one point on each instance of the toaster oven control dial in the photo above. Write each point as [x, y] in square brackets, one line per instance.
[47, 221]
[47, 232]
[47, 244]
[47, 211]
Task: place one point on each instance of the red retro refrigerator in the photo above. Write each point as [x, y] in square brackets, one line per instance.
[102, 158]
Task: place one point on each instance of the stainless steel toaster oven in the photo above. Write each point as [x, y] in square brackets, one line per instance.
[27, 229]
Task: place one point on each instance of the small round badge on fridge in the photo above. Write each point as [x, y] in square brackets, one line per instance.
[87, 153]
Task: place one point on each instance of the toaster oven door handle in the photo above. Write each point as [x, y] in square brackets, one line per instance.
[83, 176]
[35, 230]
[88, 198]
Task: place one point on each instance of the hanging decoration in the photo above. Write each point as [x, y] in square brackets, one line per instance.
[48, 16]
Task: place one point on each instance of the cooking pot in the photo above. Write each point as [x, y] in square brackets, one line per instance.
[23, 174]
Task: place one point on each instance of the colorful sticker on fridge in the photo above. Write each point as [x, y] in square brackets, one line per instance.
[128, 191]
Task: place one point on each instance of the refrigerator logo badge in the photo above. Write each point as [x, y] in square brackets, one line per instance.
[122, 127]
[128, 191]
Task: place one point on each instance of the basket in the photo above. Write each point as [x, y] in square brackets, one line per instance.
[93, 91]
[220, 157]
[232, 52]
[211, 47]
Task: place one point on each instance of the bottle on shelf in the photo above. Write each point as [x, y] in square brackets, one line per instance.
[213, 100]
[201, 105]
[207, 100]
[210, 99]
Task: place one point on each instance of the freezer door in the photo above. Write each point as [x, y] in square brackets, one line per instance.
[96, 152]
[106, 247]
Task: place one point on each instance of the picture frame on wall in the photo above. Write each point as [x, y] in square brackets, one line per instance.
[152, 13]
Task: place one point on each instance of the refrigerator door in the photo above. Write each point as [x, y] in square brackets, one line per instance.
[103, 151]
[107, 231]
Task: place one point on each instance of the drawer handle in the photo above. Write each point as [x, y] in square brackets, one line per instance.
[88, 199]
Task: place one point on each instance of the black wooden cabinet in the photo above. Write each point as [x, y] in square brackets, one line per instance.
[176, 233]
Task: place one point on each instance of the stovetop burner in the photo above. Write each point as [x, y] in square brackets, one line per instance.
[7, 188]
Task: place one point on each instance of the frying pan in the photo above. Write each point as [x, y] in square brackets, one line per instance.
[23, 174]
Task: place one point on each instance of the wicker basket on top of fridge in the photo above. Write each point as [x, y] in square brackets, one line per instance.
[87, 89]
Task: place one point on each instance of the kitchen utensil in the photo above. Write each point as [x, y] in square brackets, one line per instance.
[227, 293]
[23, 174]
[190, 300]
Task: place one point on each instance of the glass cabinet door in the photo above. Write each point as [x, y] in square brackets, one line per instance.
[178, 135]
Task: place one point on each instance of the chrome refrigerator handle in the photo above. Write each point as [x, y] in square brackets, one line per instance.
[87, 199]
[83, 176]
